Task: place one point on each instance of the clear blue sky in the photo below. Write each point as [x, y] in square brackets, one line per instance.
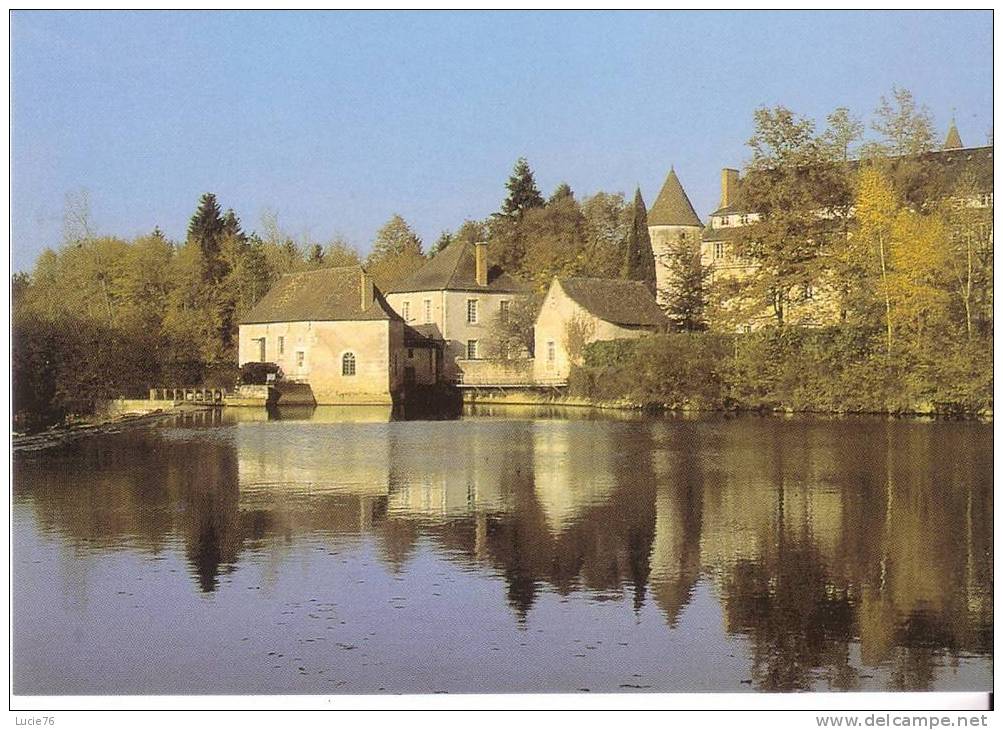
[338, 120]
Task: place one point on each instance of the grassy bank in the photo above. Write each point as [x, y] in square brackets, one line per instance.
[830, 370]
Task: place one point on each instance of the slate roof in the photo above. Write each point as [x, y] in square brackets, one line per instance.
[615, 300]
[672, 207]
[953, 141]
[415, 337]
[952, 164]
[454, 268]
[318, 296]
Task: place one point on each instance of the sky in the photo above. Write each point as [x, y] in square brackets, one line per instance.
[336, 121]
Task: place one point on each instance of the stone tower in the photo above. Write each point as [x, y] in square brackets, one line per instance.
[670, 220]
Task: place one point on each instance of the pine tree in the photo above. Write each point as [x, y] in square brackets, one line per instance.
[441, 242]
[523, 194]
[685, 297]
[205, 230]
[640, 262]
[231, 226]
[396, 253]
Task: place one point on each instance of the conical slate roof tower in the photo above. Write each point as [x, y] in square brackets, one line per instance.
[953, 141]
[672, 207]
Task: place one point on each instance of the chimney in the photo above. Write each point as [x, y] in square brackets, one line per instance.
[481, 259]
[729, 187]
[366, 287]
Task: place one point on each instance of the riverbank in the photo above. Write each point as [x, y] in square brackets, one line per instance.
[530, 398]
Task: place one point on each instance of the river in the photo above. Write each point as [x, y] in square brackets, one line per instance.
[511, 550]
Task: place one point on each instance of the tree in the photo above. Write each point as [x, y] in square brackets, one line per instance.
[795, 185]
[396, 253]
[877, 208]
[639, 262]
[554, 238]
[905, 129]
[339, 252]
[560, 192]
[969, 227]
[523, 194]
[206, 230]
[578, 332]
[608, 220]
[444, 239]
[842, 132]
[685, 297]
[510, 333]
[315, 258]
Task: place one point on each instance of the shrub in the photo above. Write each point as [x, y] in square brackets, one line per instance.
[256, 373]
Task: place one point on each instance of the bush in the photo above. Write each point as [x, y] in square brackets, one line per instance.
[838, 369]
[256, 373]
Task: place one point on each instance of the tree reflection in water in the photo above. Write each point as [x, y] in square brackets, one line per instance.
[831, 545]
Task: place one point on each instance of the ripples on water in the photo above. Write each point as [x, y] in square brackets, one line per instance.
[335, 550]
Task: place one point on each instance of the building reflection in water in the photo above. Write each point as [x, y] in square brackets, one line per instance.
[815, 536]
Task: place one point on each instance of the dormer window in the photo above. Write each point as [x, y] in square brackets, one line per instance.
[744, 219]
[724, 220]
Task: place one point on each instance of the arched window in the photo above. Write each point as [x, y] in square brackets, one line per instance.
[348, 364]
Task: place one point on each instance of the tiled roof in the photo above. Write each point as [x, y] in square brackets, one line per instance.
[454, 268]
[615, 300]
[672, 207]
[317, 296]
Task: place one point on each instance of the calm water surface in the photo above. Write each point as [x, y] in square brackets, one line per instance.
[509, 551]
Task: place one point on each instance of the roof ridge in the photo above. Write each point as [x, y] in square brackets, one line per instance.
[324, 269]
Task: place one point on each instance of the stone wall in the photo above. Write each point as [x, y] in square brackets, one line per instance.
[497, 372]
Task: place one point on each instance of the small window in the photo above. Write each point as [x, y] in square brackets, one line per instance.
[348, 364]
[428, 311]
[282, 345]
[809, 293]
[551, 351]
[503, 310]
[718, 250]
[472, 311]
[406, 311]
[300, 358]
[471, 349]
[724, 221]
[410, 353]
[744, 219]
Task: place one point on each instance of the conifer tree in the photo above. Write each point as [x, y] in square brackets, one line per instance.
[441, 242]
[205, 230]
[560, 192]
[640, 262]
[685, 297]
[523, 194]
